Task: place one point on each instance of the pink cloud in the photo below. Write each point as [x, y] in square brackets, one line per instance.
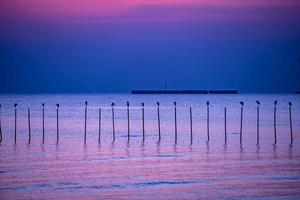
[148, 10]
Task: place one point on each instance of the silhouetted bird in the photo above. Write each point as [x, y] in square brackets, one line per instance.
[127, 103]
[15, 105]
[290, 103]
[43, 104]
[0, 105]
[207, 103]
[112, 104]
[86, 103]
[275, 102]
[242, 103]
[258, 103]
[143, 104]
[174, 103]
[157, 103]
[57, 105]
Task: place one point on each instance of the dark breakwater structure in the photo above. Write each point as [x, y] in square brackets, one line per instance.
[229, 91]
[158, 122]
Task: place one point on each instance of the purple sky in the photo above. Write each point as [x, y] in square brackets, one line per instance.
[115, 46]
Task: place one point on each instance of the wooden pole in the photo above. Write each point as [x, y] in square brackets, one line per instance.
[275, 132]
[113, 120]
[0, 127]
[29, 128]
[128, 122]
[207, 118]
[43, 122]
[257, 122]
[15, 105]
[143, 119]
[99, 137]
[191, 124]
[225, 124]
[175, 118]
[158, 121]
[57, 127]
[241, 124]
[291, 126]
[85, 116]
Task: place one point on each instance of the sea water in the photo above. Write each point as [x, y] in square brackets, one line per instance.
[74, 169]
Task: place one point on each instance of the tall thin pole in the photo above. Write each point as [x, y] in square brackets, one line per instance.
[0, 127]
[291, 126]
[257, 122]
[85, 116]
[191, 124]
[15, 105]
[57, 128]
[113, 120]
[143, 119]
[128, 122]
[207, 120]
[225, 124]
[99, 137]
[43, 122]
[158, 121]
[29, 128]
[175, 119]
[241, 125]
[275, 132]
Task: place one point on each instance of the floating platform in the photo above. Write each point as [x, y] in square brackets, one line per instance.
[184, 92]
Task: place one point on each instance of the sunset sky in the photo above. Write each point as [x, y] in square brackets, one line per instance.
[119, 45]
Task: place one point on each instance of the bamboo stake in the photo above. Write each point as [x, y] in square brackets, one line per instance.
[113, 120]
[207, 122]
[143, 120]
[57, 127]
[43, 122]
[15, 105]
[85, 116]
[191, 124]
[158, 120]
[29, 129]
[275, 122]
[257, 122]
[241, 125]
[175, 119]
[291, 125]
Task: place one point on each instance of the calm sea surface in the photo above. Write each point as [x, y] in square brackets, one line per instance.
[73, 169]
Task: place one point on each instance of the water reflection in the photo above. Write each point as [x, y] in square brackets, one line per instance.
[127, 149]
[158, 148]
[112, 148]
[175, 148]
[207, 148]
[257, 151]
[274, 151]
[241, 151]
[225, 151]
[290, 151]
[190, 148]
[143, 149]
